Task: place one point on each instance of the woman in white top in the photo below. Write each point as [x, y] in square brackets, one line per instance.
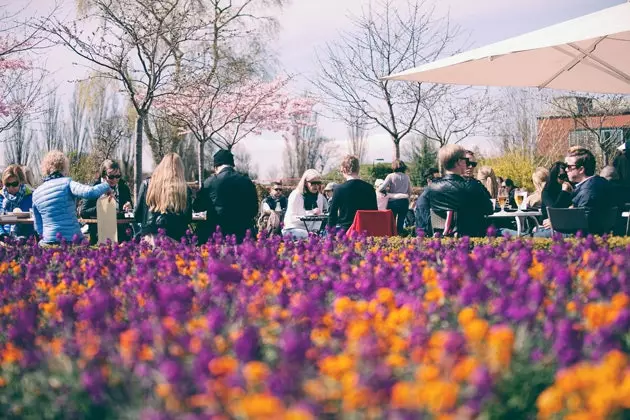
[304, 199]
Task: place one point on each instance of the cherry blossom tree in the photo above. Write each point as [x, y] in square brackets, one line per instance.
[225, 115]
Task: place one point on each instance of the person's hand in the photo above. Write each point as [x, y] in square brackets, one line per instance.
[567, 187]
[127, 207]
[547, 224]
[316, 211]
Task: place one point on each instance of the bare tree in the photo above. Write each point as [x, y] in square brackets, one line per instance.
[357, 136]
[593, 116]
[386, 38]
[52, 125]
[20, 143]
[77, 135]
[306, 148]
[456, 113]
[243, 163]
[137, 43]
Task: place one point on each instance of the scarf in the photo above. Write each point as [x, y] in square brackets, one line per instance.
[54, 175]
[11, 202]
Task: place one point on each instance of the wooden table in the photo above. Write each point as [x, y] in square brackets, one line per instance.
[519, 215]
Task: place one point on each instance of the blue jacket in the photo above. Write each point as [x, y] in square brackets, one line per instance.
[25, 205]
[54, 207]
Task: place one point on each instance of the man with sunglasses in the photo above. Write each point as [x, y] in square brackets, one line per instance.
[110, 173]
[275, 201]
[471, 164]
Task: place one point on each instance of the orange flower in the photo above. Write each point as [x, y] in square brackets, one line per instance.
[550, 402]
[466, 315]
[476, 330]
[255, 372]
[222, 365]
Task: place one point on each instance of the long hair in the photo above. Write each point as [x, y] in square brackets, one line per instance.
[489, 180]
[540, 178]
[309, 175]
[552, 186]
[167, 190]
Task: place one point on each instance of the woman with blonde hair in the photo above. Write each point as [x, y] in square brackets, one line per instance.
[540, 178]
[15, 196]
[304, 200]
[165, 200]
[54, 202]
[489, 180]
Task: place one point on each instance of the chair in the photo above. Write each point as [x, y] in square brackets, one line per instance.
[568, 221]
[607, 221]
[374, 223]
[447, 225]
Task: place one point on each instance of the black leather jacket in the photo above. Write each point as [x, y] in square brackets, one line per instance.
[469, 198]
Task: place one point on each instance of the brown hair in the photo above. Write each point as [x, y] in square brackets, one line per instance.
[350, 164]
[449, 155]
[487, 177]
[13, 171]
[399, 166]
[584, 159]
[107, 165]
[167, 189]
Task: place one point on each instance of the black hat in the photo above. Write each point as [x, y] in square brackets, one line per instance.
[223, 157]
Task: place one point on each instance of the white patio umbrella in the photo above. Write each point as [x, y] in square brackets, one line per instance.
[589, 54]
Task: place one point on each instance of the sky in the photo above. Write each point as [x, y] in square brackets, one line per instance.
[307, 25]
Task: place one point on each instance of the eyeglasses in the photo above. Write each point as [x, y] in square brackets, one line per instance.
[315, 182]
[277, 189]
[570, 167]
[470, 163]
[113, 176]
[12, 184]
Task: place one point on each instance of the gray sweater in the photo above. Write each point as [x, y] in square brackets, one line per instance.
[396, 183]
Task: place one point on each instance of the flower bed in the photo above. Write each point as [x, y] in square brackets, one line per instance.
[320, 329]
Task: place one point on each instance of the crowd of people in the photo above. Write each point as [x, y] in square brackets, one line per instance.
[230, 200]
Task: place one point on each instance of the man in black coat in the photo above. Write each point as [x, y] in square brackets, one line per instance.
[110, 173]
[229, 198]
[351, 196]
[454, 192]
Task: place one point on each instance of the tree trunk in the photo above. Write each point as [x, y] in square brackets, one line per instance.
[201, 161]
[396, 149]
[138, 158]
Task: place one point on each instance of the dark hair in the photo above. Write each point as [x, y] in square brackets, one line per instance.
[509, 183]
[584, 159]
[552, 187]
[399, 166]
[430, 173]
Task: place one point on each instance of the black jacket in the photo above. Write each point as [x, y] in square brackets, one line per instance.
[87, 210]
[597, 196]
[231, 202]
[271, 202]
[556, 199]
[174, 224]
[347, 199]
[470, 200]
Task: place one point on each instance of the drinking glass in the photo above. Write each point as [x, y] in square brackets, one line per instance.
[502, 197]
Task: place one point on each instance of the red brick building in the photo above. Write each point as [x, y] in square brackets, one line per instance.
[589, 128]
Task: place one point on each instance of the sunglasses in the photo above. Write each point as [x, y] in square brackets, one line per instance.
[13, 184]
[315, 182]
[470, 163]
[570, 167]
[277, 189]
[113, 176]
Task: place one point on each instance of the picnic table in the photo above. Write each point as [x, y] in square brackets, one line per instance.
[521, 217]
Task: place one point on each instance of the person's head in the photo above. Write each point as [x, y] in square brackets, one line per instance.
[222, 158]
[29, 177]
[275, 190]
[167, 190]
[580, 164]
[609, 172]
[110, 172]
[488, 179]
[328, 191]
[310, 182]
[557, 175]
[350, 165]
[55, 162]
[540, 178]
[471, 165]
[452, 158]
[500, 180]
[509, 184]
[430, 174]
[399, 166]
[13, 178]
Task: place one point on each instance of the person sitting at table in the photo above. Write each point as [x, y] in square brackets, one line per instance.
[15, 194]
[468, 199]
[304, 200]
[511, 189]
[555, 194]
[54, 201]
[620, 189]
[489, 180]
[398, 186]
[109, 173]
[328, 191]
[539, 178]
[165, 201]
[272, 209]
[351, 196]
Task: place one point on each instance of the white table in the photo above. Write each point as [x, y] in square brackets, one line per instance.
[520, 216]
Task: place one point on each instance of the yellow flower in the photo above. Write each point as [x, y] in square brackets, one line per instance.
[550, 402]
[396, 361]
[298, 414]
[385, 296]
[222, 365]
[427, 373]
[403, 395]
[262, 406]
[442, 396]
[466, 315]
[476, 330]
[255, 372]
